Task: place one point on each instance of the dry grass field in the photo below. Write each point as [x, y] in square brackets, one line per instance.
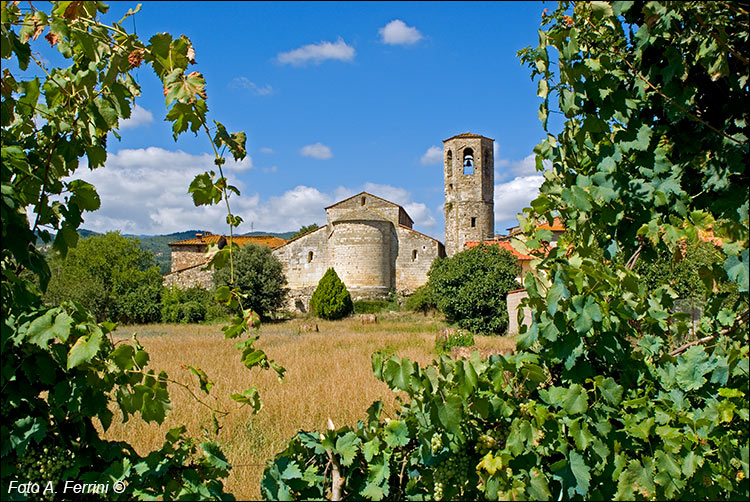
[328, 375]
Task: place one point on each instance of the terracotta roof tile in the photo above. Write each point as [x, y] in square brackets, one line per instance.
[241, 240]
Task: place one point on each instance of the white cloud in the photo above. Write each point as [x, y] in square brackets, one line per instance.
[523, 167]
[246, 83]
[317, 53]
[265, 149]
[138, 116]
[398, 33]
[244, 165]
[513, 196]
[433, 155]
[271, 169]
[316, 151]
[136, 199]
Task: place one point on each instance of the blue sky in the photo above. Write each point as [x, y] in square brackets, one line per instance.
[335, 98]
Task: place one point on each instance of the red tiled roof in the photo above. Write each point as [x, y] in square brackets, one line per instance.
[502, 245]
[260, 240]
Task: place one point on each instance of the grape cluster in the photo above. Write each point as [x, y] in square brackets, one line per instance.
[489, 441]
[45, 463]
[436, 443]
[453, 469]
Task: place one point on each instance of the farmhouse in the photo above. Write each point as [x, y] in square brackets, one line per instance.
[189, 257]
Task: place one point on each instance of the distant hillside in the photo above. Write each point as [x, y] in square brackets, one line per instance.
[159, 244]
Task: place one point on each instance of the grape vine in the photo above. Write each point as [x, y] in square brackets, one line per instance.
[61, 369]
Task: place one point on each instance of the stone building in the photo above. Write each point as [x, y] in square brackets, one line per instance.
[371, 245]
[189, 257]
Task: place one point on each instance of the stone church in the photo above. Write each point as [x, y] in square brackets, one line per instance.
[370, 241]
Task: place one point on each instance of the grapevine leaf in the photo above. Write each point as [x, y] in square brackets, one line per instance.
[575, 400]
[450, 412]
[85, 348]
[371, 448]
[250, 397]
[347, 447]
[43, 329]
[581, 472]
[396, 434]
[215, 456]
[538, 485]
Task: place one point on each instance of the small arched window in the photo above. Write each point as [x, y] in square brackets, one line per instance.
[309, 256]
[486, 162]
[468, 161]
[362, 201]
[473, 222]
[449, 162]
[414, 255]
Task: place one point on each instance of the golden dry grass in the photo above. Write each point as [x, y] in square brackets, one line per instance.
[329, 374]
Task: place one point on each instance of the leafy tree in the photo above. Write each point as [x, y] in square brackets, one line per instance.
[259, 275]
[60, 370]
[598, 402]
[470, 287]
[331, 300]
[111, 276]
[304, 230]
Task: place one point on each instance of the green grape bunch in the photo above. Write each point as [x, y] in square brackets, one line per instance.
[452, 472]
[436, 443]
[489, 441]
[45, 463]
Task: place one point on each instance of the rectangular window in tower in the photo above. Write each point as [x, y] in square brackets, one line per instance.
[473, 222]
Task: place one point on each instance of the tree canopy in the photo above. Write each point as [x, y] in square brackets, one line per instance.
[470, 288]
[111, 276]
[259, 275]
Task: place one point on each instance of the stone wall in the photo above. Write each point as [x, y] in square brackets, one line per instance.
[190, 277]
[304, 260]
[513, 299]
[416, 254]
[188, 256]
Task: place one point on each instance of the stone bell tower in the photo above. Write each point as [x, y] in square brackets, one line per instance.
[468, 166]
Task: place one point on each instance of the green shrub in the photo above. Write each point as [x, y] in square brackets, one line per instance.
[421, 300]
[470, 288]
[259, 275]
[460, 338]
[190, 305]
[331, 300]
